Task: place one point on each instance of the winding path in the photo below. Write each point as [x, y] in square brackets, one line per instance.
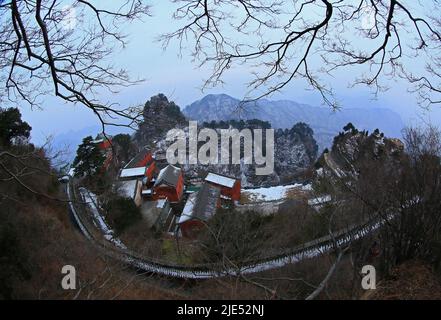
[307, 250]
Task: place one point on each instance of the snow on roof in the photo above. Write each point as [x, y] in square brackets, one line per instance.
[161, 203]
[96, 141]
[187, 213]
[168, 175]
[220, 180]
[71, 172]
[132, 172]
[206, 202]
[128, 188]
[146, 192]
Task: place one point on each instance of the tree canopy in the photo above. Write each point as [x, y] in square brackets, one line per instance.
[89, 159]
[12, 126]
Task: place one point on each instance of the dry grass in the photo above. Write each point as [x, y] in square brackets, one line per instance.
[413, 280]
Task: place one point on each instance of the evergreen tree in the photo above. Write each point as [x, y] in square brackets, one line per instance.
[12, 127]
[89, 159]
[348, 127]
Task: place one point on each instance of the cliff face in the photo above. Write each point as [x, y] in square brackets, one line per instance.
[294, 150]
[352, 149]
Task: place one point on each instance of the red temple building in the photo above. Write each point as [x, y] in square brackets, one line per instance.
[229, 187]
[169, 184]
[199, 208]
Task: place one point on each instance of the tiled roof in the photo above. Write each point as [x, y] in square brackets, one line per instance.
[206, 202]
[140, 156]
[169, 176]
[220, 180]
[132, 172]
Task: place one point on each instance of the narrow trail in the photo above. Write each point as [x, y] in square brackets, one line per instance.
[307, 250]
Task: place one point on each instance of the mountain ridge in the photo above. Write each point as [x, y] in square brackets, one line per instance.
[285, 113]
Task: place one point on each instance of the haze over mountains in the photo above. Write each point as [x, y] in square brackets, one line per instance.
[281, 114]
[285, 113]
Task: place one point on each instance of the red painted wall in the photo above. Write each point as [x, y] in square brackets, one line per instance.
[165, 192]
[105, 144]
[233, 193]
[190, 228]
[150, 170]
[236, 191]
[144, 161]
[180, 186]
[173, 194]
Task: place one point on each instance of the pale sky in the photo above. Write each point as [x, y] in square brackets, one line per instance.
[180, 80]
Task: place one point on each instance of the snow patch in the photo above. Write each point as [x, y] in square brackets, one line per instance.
[99, 221]
[269, 194]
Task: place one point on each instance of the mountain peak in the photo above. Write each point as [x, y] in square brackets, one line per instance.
[217, 97]
[285, 113]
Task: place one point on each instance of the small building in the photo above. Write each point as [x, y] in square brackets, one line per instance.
[133, 173]
[199, 208]
[138, 172]
[131, 189]
[142, 159]
[230, 187]
[151, 169]
[105, 145]
[102, 142]
[169, 184]
[146, 194]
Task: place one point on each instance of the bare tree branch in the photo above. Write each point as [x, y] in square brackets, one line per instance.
[310, 40]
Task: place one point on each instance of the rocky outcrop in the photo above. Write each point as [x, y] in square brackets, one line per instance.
[353, 149]
[283, 114]
[294, 150]
[159, 116]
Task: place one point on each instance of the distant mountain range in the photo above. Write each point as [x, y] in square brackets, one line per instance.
[281, 114]
[285, 113]
[65, 144]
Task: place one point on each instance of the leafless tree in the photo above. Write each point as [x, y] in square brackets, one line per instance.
[233, 240]
[280, 41]
[52, 47]
[403, 189]
[21, 166]
[64, 49]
